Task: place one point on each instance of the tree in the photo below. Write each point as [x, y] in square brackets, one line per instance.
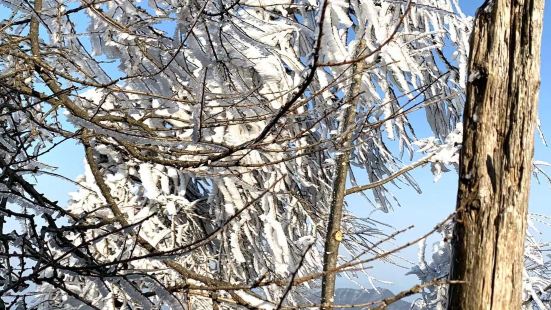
[497, 156]
[216, 135]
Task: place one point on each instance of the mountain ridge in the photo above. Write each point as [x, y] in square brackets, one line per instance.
[352, 296]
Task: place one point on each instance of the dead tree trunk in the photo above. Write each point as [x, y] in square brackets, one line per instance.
[496, 159]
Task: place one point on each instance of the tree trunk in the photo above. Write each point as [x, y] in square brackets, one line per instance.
[334, 233]
[496, 159]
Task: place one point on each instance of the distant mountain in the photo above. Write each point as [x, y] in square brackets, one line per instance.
[349, 296]
[345, 296]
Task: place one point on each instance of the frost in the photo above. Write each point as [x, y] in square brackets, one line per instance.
[443, 154]
[177, 98]
[149, 181]
[255, 302]
[171, 208]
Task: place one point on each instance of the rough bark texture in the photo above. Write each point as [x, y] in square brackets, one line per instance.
[334, 233]
[496, 159]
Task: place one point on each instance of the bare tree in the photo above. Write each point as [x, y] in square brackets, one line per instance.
[497, 156]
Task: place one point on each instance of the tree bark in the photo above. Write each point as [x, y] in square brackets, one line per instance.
[496, 158]
[334, 234]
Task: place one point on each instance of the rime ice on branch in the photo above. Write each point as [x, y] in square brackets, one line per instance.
[211, 132]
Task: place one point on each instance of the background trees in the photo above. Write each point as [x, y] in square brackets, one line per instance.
[212, 132]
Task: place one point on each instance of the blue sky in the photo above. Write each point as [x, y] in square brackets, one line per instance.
[424, 210]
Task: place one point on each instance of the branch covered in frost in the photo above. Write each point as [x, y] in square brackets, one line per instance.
[211, 131]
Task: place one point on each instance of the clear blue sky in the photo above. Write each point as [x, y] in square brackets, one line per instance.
[424, 210]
